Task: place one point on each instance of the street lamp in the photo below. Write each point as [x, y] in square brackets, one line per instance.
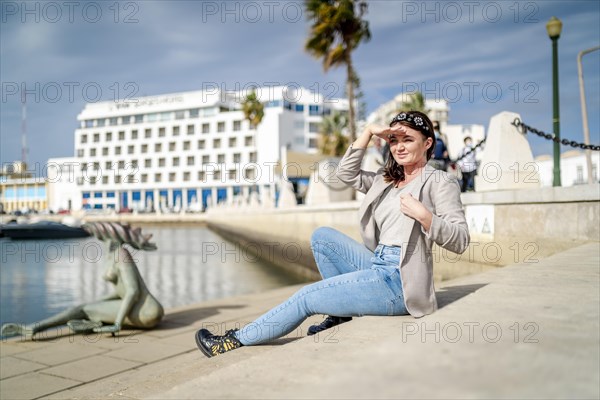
[554, 27]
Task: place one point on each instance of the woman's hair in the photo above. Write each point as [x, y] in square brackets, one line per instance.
[394, 172]
[120, 233]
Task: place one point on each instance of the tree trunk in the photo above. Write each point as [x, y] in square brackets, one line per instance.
[350, 91]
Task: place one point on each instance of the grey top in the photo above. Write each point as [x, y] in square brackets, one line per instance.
[390, 221]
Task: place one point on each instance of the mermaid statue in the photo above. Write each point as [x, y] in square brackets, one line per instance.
[130, 305]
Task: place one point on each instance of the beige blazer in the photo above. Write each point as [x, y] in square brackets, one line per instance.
[440, 193]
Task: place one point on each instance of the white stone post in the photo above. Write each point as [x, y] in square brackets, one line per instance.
[507, 161]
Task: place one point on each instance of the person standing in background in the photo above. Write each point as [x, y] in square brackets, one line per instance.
[440, 153]
[468, 165]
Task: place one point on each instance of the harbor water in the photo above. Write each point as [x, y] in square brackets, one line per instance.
[192, 265]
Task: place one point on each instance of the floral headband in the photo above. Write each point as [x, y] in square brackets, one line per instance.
[411, 118]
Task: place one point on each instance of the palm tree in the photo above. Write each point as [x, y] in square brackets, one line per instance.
[337, 29]
[253, 109]
[333, 142]
[416, 102]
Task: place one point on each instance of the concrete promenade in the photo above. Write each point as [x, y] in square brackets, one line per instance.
[529, 330]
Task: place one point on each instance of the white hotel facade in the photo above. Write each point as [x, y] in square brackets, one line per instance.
[186, 151]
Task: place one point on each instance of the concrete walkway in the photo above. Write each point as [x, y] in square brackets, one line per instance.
[522, 331]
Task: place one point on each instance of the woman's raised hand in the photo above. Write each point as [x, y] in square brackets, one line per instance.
[385, 131]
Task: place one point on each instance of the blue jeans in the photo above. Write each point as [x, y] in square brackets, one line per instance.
[355, 282]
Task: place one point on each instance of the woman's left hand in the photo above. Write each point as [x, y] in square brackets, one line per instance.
[416, 210]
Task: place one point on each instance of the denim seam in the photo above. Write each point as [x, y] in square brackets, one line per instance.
[333, 250]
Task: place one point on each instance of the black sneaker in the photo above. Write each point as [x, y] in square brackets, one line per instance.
[329, 322]
[211, 345]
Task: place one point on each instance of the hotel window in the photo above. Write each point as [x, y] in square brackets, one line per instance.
[118, 151]
[108, 165]
[92, 152]
[148, 163]
[134, 134]
[217, 143]
[312, 143]
[80, 180]
[175, 131]
[161, 162]
[206, 128]
[144, 178]
[313, 127]
[190, 129]
[232, 142]
[221, 158]
[217, 176]
[165, 116]
[134, 164]
[186, 145]
[93, 180]
[89, 123]
[108, 136]
[148, 133]
[112, 121]
[252, 157]
[130, 149]
[96, 137]
[231, 174]
[122, 135]
[190, 160]
[221, 127]
[237, 126]
[299, 107]
[201, 176]
[117, 178]
[201, 144]
[205, 159]
[80, 153]
[157, 177]
[313, 110]
[237, 158]
[126, 120]
[96, 165]
[172, 146]
[100, 122]
[194, 113]
[105, 180]
[139, 119]
[105, 151]
[151, 117]
[248, 141]
[161, 132]
[250, 173]
[83, 139]
[157, 147]
[144, 148]
[176, 161]
[179, 114]
[186, 176]
[172, 177]
[121, 164]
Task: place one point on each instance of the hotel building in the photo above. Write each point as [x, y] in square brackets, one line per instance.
[186, 151]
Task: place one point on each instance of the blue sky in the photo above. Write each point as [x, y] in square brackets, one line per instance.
[483, 57]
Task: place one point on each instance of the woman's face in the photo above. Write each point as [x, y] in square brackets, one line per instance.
[409, 146]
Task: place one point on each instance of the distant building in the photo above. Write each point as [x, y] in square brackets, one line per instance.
[63, 192]
[192, 149]
[573, 168]
[439, 111]
[23, 194]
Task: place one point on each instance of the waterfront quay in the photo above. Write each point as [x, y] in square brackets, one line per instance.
[522, 331]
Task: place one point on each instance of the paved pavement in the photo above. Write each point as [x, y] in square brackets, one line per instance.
[530, 330]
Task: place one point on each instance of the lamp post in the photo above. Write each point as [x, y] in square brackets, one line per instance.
[584, 116]
[554, 27]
